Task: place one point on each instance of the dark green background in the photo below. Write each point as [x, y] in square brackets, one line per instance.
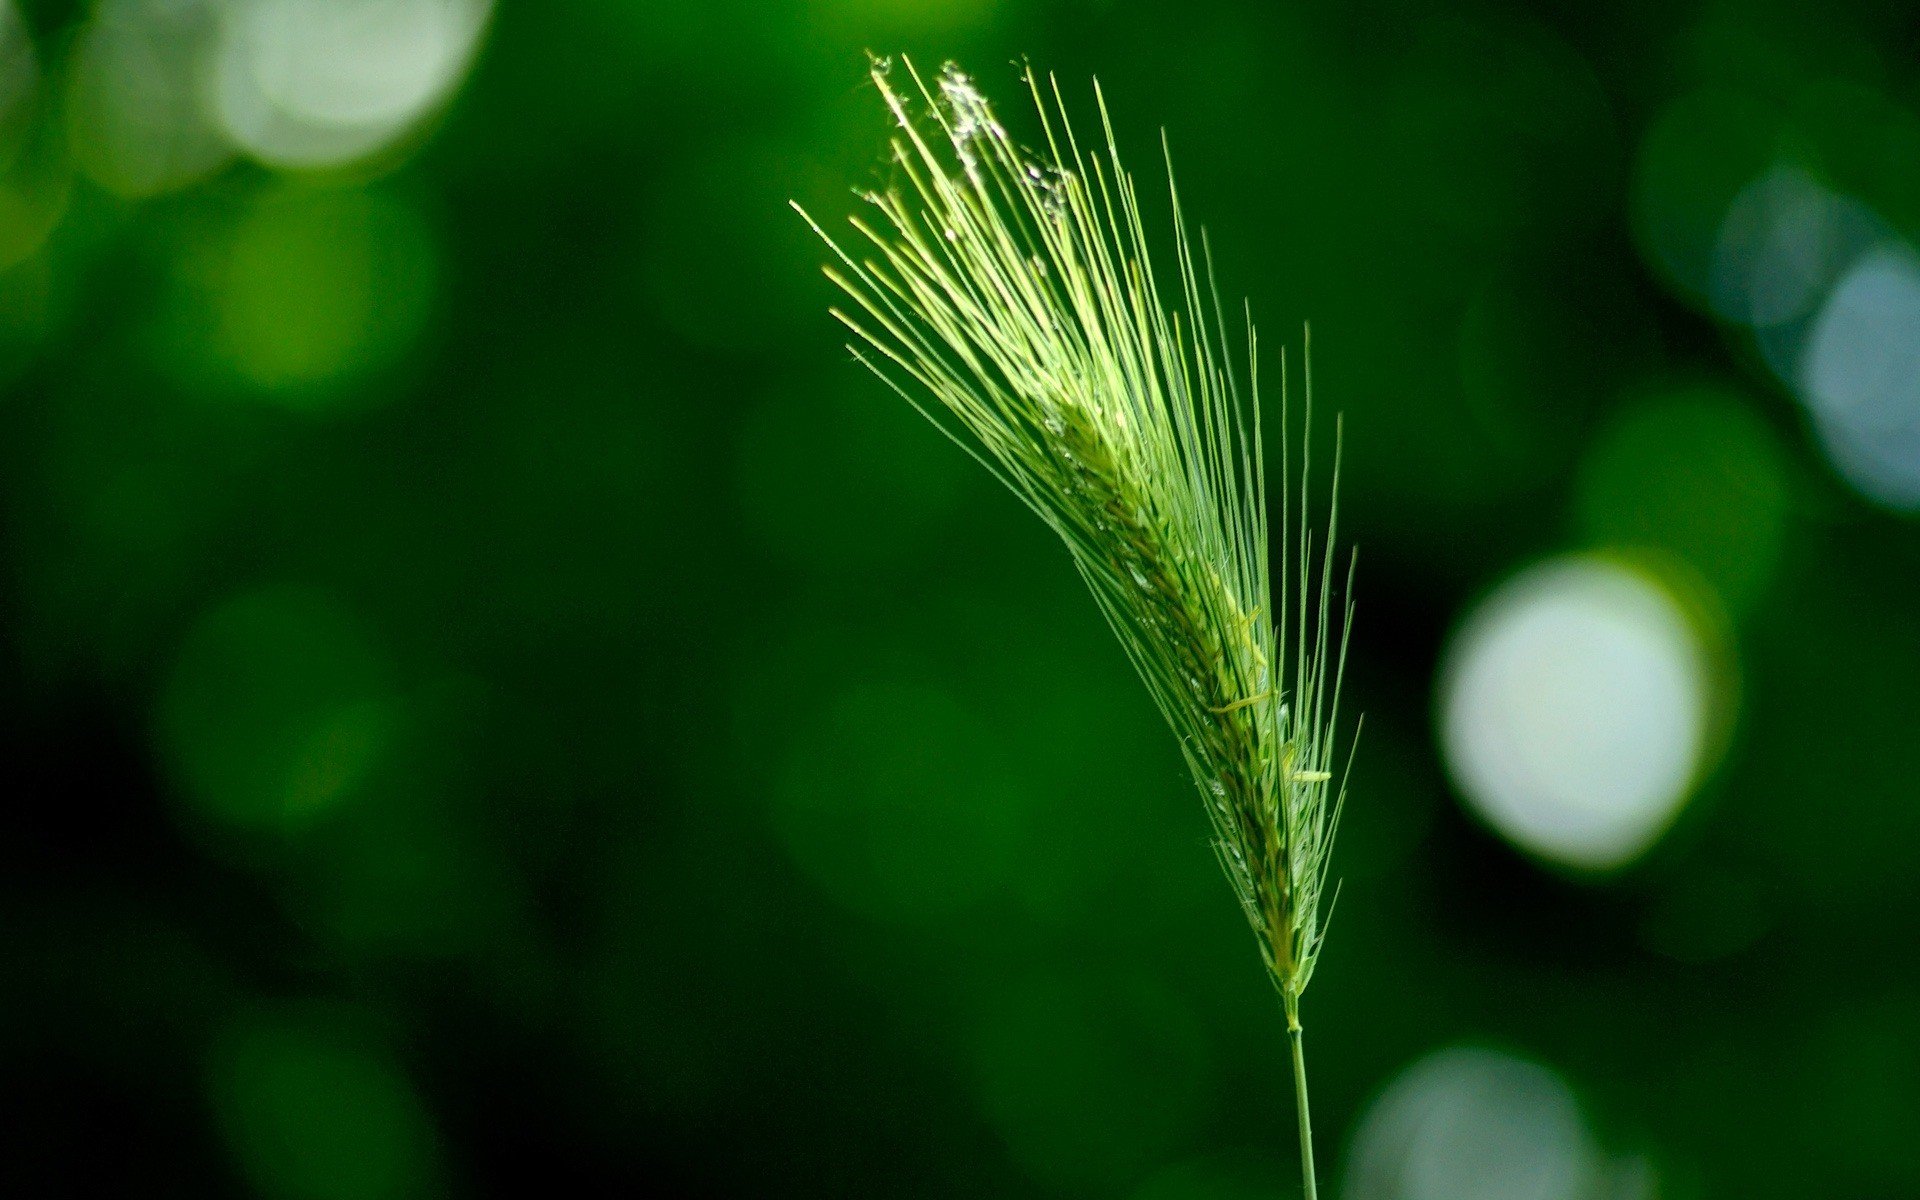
[493, 702]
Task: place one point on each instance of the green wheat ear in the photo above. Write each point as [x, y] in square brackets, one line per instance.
[1016, 292]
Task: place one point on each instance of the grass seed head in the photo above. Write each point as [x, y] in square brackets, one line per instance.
[1012, 295]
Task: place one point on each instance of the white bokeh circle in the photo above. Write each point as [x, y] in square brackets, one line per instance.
[1576, 711]
[1466, 1123]
[306, 83]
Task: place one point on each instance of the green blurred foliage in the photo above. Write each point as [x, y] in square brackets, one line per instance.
[312, 1114]
[1698, 475]
[497, 703]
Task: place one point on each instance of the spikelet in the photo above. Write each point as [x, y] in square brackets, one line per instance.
[1011, 297]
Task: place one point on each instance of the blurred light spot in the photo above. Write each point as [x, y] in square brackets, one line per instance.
[1697, 157]
[277, 709]
[1860, 376]
[305, 83]
[892, 800]
[1784, 241]
[1575, 711]
[1472, 1124]
[302, 290]
[314, 1110]
[1833, 298]
[136, 106]
[1695, 474]
[1867, 140]
[1091, 1082]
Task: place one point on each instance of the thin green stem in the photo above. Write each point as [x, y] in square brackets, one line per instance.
[1308, 1187]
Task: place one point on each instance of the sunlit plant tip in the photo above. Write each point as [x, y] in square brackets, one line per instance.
[1011, 295]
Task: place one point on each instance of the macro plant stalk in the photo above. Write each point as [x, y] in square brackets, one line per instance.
[1014, 297]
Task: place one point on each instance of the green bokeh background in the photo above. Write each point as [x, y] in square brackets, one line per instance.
[493, 702]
